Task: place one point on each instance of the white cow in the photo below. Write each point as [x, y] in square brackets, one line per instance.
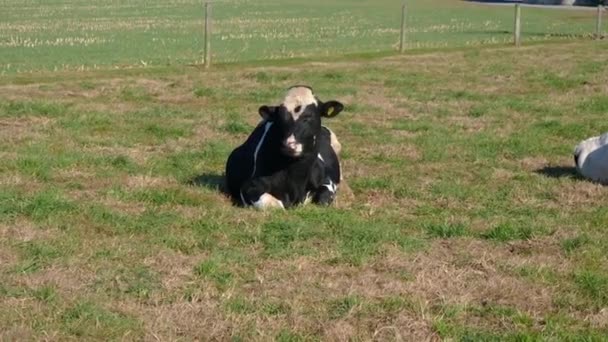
[591, 158]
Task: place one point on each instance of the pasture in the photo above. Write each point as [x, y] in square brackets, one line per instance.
[464, 219]
[80, 35]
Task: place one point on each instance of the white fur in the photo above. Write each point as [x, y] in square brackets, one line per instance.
[257, 148]
[335, 144]
[298, 96]
[267, 201]
[308, 198]
[295, 147]
[331, 186]
[593, 158]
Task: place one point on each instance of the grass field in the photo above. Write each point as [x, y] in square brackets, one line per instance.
[80, 35]
[464, 218]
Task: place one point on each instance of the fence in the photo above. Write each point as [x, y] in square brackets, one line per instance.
[577, 23]
[75, 34]
[403, 28]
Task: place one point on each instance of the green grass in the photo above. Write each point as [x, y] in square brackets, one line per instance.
[87, 320]
[446, 230]
[508, 232]
[467, 220]
[77, 35]
[342, 307]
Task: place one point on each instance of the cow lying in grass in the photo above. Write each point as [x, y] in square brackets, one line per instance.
[591, 158]
[290, 157]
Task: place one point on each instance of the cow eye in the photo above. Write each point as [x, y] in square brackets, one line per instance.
[298, 109]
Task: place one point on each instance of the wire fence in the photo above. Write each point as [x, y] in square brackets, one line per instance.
[76, 34]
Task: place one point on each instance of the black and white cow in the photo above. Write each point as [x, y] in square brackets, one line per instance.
[290, 157]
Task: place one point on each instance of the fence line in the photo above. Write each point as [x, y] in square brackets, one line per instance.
[402, 33]
[598, 28]
[205, 32]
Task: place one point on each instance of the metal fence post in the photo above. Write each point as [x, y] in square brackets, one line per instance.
[402, 36]
[598, 28]
[517, 28]
[207, 35]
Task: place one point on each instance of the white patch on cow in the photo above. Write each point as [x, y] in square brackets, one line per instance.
[331, 186]
[308, 198]
[592, 158]
[335, 144]
[294, 146]
[257, 148]
[298, 97]
[267, 201]
[320, 157]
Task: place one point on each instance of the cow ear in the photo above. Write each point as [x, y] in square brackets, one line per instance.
[267, 112]
[331, 108]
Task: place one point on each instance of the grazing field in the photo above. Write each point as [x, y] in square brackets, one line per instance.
[81, 35]
[463, 219]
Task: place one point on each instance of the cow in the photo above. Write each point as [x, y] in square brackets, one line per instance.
[289, 158]
[591, 158]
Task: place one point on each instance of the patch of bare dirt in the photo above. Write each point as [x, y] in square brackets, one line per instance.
[131, 208]
[16, 333]
[174, 268]
[144, 181]
[534, 163]
[467, 272]
[67, 281]
[17, 180]
[468, 124]
[200, 320]
[15, 130]
[452, 272]
[581, 194]
[345, 197]
[599, 320]
[8, 257]
[24, 231]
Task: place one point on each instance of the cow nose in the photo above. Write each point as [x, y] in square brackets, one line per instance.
[291, 141]
[292, 146]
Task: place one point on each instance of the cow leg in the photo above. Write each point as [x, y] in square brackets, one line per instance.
[256, 192]
[326, 193]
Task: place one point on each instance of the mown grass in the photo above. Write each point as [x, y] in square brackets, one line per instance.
[465, 218]
[78, 35]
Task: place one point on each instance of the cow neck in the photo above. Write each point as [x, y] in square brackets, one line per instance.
[300, 168]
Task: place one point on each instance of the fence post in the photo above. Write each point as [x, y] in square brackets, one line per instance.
[207, 35]
[598, 28]
[402, 36]
[517, 28]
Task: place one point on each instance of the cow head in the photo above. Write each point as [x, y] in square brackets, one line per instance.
[298, 119]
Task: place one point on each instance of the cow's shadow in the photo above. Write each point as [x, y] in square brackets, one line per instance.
[211, 181]
[560, 172]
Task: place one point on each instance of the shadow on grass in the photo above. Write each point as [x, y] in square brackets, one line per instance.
[210, 181]
[560, 172]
